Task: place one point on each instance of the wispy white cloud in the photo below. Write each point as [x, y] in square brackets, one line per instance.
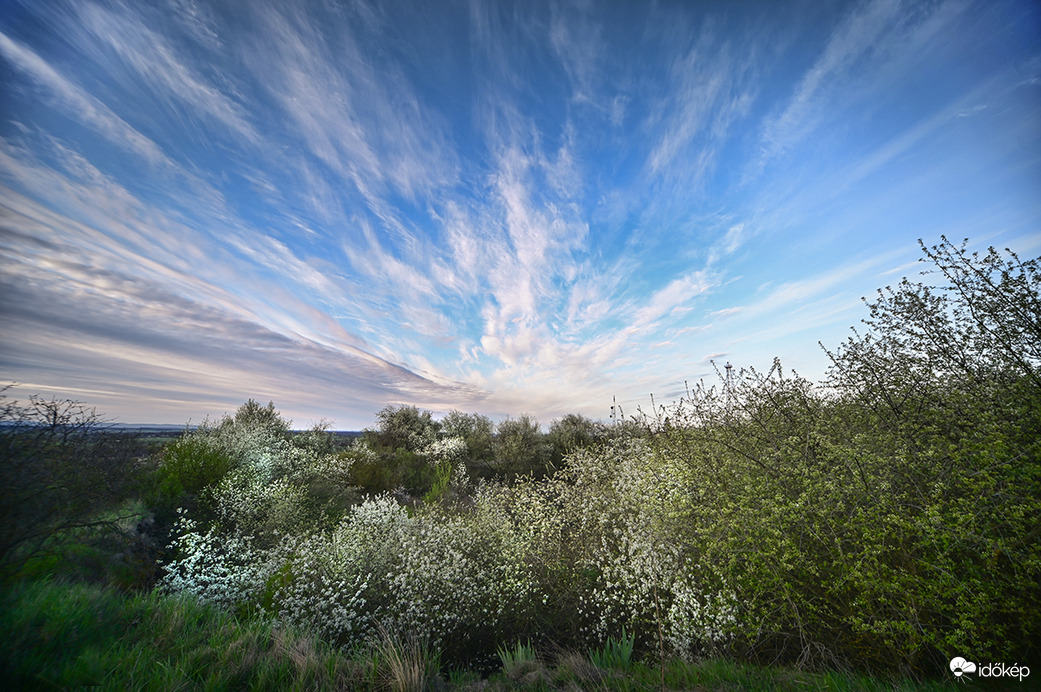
[671, 299]
[79, 104]
[710, 88]
[805, 305]
[162, 307]
[577, 40]
[199, 21]
[552, 214]
[861, 33]
[161, 66]
[366, 124]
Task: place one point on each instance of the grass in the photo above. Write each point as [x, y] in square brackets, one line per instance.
[60, 634]
[616, 653]
[403, 663]
[522, 665]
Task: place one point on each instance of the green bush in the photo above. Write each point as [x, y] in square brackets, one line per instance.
[572, 433]
[888, 517]
[878, 521]
[390, 470]
[403, 428]
[61, 470]
[370, 472]
[521, 449]
[191, 464]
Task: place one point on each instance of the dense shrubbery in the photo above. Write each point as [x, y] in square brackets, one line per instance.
[885, 519]
[881, 520]
[411, 451]
[889, 517]
[251, 475]
[60, 469]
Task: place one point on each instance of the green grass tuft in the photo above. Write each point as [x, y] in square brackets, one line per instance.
[60, 635]
[616, 654]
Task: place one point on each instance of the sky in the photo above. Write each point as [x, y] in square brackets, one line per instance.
[500, 207]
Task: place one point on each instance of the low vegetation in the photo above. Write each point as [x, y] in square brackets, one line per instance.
[758, 533]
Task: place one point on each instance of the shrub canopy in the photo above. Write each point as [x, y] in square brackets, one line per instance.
[884, 519]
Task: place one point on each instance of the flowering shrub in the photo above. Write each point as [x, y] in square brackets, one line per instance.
[216, 567]
[447, 450]
[630, 501]
[578, 557]
[880, 522]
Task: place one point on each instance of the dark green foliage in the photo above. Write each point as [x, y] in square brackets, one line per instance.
[317, 439]
[189, 465]
[369, 472]
[440, 487]
[891, 517]
[393, 469]
[186, 472]
[521, 449]
[59, 469]
[405, 428]
[572, 432]
[393, 455]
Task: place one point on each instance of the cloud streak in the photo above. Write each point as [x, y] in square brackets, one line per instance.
[77, 102]
[507, 207]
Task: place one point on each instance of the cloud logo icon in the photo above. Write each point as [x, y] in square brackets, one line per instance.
[959, 666]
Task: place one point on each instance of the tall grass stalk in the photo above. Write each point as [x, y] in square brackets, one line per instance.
[404, 663]
[521, 664]
[616, 653]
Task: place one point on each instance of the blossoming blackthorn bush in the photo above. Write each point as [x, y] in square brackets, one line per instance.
[880, 520]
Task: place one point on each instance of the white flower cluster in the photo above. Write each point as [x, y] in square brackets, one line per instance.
[245, 501]
[699, 620]
[606, 539]
[460, 480]
[442, 583]
[265, 494]
[629, 501]
[320, 585]
[447, 450]
[219, 568]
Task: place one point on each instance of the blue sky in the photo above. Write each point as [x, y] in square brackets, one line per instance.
[509, 208]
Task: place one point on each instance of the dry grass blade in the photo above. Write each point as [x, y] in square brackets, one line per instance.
[404, 663]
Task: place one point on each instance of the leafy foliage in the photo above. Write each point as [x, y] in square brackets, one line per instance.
[890, 516]
[189, 465]
[616, 653]
[404, 427]
[879, 520]
[59, 470]
[571, 433]
[520, 448]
